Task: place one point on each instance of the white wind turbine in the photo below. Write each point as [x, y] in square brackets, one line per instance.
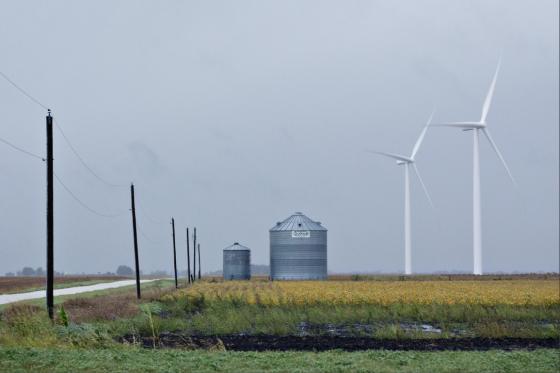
[478, 127]
[405, 161]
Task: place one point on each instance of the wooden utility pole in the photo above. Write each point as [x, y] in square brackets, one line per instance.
[133, 209]
[194, 253]
[50, 217]
[199, 272]
[174, 252]
[188, 258]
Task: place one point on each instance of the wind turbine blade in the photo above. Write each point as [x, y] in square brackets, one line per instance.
[419, 142]
[490, 93]
[458, 124]
[392, 155]
[431, 117]
[421, 137]
[495, 147]
[423, 185]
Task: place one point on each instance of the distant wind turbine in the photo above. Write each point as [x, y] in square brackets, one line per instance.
[407, 161]
[478, 127]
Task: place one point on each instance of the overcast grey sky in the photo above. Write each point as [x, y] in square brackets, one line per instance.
[231, 115]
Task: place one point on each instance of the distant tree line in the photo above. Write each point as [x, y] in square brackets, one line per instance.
[122, 270]
[30, 272]
[256, 270]
[126, 271]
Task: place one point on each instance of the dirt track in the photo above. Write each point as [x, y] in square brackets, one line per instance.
[323, 343]
[12, 298]
[21, 283]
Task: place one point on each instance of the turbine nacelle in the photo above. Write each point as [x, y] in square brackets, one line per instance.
[399, 157]
[466, 126]
[407, 162]
[477, 128]
[410, 161]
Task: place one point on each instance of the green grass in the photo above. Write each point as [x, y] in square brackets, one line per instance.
[201, 317]
[29, 342]
[137, 360]
[27, 323]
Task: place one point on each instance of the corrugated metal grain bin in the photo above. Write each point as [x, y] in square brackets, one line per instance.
[298, 249]
[237, 262]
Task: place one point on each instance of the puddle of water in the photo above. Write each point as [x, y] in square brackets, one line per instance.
[424, 328]
[359, 329]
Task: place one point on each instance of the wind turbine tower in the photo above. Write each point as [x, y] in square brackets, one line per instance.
[405, 161]
[477, 128]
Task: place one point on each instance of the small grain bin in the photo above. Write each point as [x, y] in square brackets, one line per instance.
[237, 262]
[298, 249]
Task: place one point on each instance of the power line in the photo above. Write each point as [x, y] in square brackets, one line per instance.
[21, 149]
[86, 206]
[60, 181]
[84, 162]
[23, 91]
[148, 238]
[146, 215]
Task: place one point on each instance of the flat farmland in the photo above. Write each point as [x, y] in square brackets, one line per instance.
[17, 284]
[362, 323]
[506, 292]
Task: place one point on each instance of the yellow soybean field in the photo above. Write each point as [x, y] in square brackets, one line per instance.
[507, 292]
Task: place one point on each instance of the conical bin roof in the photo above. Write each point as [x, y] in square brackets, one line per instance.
[236, 246]
[298, 222]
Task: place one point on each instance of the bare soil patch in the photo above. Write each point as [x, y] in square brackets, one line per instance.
[325, 343]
